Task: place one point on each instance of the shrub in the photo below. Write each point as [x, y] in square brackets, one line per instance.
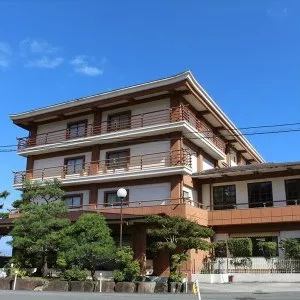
[128, 267]
[269, 249]
[75, 273]
[220, 248]
[240, 247]
[291, 248]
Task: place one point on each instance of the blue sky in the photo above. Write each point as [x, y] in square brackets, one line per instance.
[244, 53]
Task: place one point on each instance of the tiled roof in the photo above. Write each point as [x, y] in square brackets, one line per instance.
[261, 167]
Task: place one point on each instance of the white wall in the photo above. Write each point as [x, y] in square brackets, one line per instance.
[160, 155]
[140, 193]
[53, 165]
[193, 194]
[233, 158]
[57, 126]
[278, 187]
[206, 194]
[207, 164]
[144, 108]
[193, 158]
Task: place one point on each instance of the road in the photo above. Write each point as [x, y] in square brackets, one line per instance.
[20, 295]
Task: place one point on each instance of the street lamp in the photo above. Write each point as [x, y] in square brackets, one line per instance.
[121, 193]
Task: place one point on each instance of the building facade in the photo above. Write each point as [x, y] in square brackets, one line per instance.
[174, 151]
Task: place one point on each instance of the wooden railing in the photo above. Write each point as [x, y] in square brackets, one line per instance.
[108, 166]
[175, 114]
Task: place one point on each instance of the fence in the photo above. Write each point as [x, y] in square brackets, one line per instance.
[258, 265]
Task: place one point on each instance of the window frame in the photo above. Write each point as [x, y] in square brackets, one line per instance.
[291, 201]
[118, 114]
[109, 166]
[85, 122]
[259, 202]
[73, 196]
[106, 203]
[74, 158]
[224, 205]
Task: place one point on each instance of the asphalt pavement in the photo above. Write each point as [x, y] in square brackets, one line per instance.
[241, 291]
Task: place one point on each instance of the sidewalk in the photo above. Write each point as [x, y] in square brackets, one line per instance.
[259, 287]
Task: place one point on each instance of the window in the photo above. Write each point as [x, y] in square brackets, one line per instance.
[260, 194]
[292, 191]
[73, 201]
[224, 197]
[117, 159]
[119, 121]
[77, 129]
[258, 250]
[74, 165]
[111, 199]
[186, 195]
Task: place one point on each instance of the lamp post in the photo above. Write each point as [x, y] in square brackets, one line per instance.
[121, 193]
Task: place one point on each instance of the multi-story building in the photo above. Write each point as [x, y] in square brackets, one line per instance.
[175, 152]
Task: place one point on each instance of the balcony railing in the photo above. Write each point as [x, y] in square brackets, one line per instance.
[176, 114]
[121, 165]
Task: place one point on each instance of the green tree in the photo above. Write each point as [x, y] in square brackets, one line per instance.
[291, 248]
[38, 232]
[3, 195]
[88, 244]
[129, 267]
[177, 235]
[46, 192]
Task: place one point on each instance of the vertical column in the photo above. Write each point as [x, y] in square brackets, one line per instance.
[97, 121]
[176, 188]
[199, 161]
[139, 246]
[176, 108]
[32, 134]
[94, 166]
[93, 197]
[29, 168]
[228, 158]
[176, 146]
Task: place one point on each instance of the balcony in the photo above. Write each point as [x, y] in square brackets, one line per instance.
[259, 212]
[130, 167]
[172, 207]
[179, 118]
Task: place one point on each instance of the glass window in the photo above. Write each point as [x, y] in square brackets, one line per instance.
[73, 201]
[77, 129]
[117, 160]
[260, 194]
[111, 199]
[74, 165]
[224, 197]
[292, 191]
[119, 121]
[186, 195]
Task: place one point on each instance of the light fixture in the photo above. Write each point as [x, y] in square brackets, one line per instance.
[121, 193]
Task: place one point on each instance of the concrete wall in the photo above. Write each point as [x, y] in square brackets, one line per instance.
[247, 277]
[207, 164]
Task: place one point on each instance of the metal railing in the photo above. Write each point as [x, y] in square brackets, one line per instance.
[250, 265]
[158, 160]
[175, 114]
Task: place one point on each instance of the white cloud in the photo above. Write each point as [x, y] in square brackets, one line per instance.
[5, 48]
[33, 46]
[81, 65]
[45, 62]
[278, 11]
[5, 55]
